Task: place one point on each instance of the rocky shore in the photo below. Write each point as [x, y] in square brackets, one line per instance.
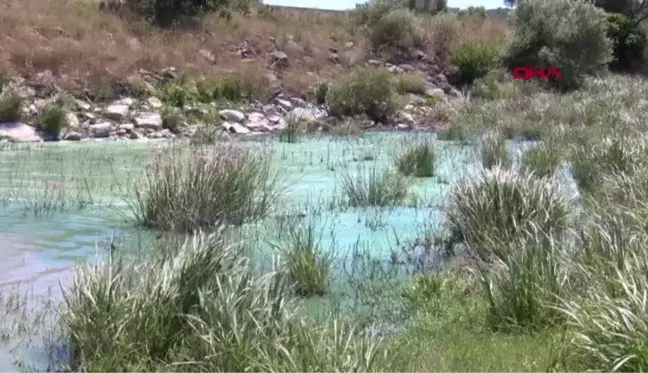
[142, 117]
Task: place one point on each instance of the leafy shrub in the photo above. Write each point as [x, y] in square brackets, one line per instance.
[10, 107]
[165, 12]
[474, 60]
[410, 83]
[628, 39]
[568, 34]
[498, 205]
[52, 119]
[389, 23]
[367, 91]
[177, 94]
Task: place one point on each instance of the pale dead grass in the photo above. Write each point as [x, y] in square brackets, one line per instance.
[83, 46]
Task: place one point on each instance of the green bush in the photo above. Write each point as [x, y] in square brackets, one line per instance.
[10, 108]
[567, 34]
[52, 119]
[166, 12]
[178, 94]
[367, 91]
[473, 60]
[410, 83]
[389, 23]
[523, 283]
[628, 39]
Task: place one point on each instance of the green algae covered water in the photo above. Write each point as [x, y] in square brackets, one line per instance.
[63, 203]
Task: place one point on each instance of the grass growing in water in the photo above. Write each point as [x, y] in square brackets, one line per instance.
[498, 205]
[494, 151]
[306, 265]
[418, 160]
[542, 160]
[290, 133]
[370, 187]
[184, 192]
[198, 307]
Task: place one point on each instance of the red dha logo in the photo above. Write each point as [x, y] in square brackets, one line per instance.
[528, 73]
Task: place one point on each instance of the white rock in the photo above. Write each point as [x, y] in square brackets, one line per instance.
[73, 136]
[18, 132]
[116, 112]
[124, 101]
[100, 130]
[284, 103]
[232, 115]
[129, 127]
[235, 127]
[149, 120]
[306, 114]
[72, 120]
[154, 102]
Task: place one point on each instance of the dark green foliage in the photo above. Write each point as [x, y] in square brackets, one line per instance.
[474, 60]
[367, 91]
[52, 120]
[166, 12]
[10, 108]
[566, 34]
[628, 41]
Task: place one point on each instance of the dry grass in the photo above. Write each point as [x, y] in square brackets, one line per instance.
[84, 46]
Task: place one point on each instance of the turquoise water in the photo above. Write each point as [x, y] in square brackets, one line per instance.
[84, 188]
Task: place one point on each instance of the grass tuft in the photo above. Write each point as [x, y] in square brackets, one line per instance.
[417, 160]
[541, 160]
[184, 192]
[498, 205]
[494, 151]
[52, 119]
[369, 187]
[306, 265]
[10, 108]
